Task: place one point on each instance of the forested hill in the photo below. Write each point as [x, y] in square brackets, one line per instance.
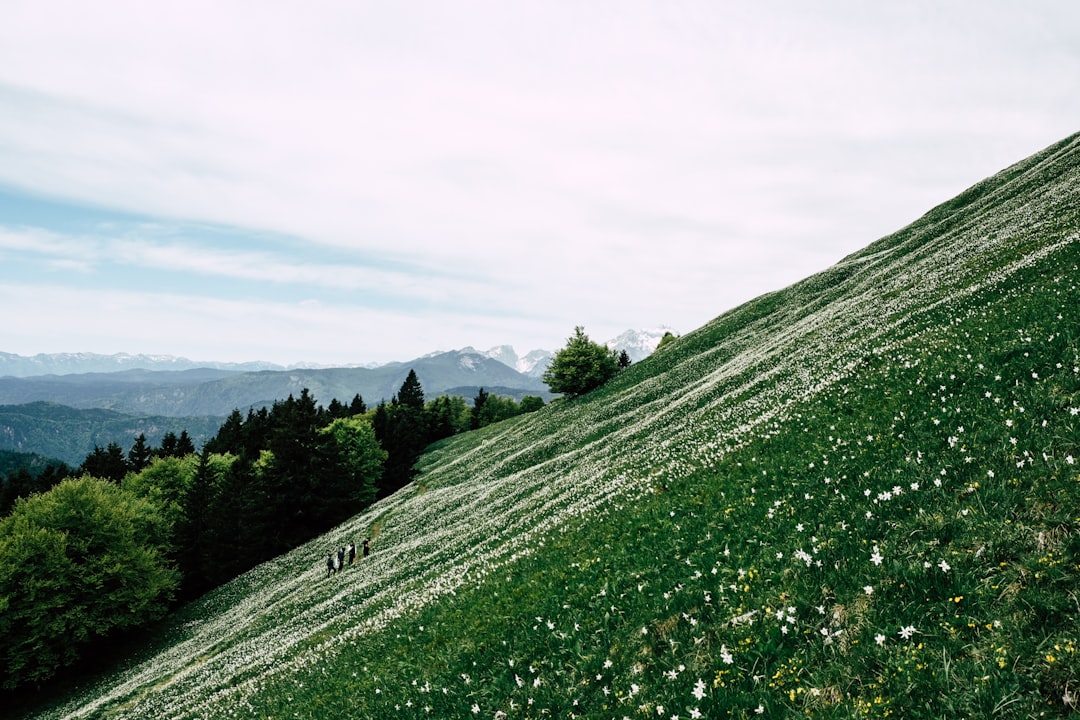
[853, 497]
[70, 434]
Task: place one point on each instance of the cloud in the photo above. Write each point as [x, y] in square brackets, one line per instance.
[613, 164]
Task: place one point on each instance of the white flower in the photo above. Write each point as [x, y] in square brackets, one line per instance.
[876, 558]
[906, 632]
[879, 639]
[726, 655]
[944, 566]
[699, 690]
[868, 589]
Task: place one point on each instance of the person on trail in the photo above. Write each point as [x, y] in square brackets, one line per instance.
[352, 553]
[331, 564]
[367, 548]
[341, 557]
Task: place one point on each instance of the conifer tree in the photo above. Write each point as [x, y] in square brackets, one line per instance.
[140, 453]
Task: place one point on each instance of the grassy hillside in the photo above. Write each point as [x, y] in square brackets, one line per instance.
[855, 497]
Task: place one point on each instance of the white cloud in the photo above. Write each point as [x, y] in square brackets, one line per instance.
[610, 164]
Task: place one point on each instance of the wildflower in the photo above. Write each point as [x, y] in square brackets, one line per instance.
[868, 589]
[879, 639]
[695, 713]
[699, 690]
[945, 567]
[760, 709]
[876, 558]
[906, 632]
[726, 655]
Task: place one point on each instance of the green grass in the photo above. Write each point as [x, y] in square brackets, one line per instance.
[855, 497]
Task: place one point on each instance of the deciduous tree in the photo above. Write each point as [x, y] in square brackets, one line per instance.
[581, 366]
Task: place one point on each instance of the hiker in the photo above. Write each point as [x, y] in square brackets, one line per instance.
[341, 557]
[352, 553]
[331, 564]
[367, 549]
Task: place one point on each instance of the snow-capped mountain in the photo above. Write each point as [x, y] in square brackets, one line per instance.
[532, 363]
[638, 344]
[12, 365]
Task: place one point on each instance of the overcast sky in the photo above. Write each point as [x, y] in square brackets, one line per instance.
[359, 181]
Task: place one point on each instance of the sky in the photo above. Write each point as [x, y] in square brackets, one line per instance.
[357, 182]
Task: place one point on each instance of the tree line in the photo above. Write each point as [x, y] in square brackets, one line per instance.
[113, 544]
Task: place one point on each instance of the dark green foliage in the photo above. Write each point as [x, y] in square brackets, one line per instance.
[477, 409]
[140, 453]
[581, 366]
[24, 474]
[108, 463]
[443, 416]
[77, 563]
[668, 337]
[176, 446]
[411, 393]
[531, 403]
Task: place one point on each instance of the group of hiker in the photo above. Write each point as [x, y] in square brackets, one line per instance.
[335, 561]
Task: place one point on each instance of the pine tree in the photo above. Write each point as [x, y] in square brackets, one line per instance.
[140, 453]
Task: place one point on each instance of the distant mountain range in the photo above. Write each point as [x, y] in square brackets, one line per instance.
[54, 404]
[638, 344]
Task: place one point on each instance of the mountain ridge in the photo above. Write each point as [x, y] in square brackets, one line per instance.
[638, 343]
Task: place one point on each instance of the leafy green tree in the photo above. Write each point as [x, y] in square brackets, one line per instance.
[165, 481]
[356, 461]
[496, 409]
[531, 403]
[581, 366]
[77, 563]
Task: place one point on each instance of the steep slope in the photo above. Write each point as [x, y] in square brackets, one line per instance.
[852, 497]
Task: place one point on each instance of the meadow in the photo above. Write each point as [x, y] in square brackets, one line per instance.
[858, 496]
